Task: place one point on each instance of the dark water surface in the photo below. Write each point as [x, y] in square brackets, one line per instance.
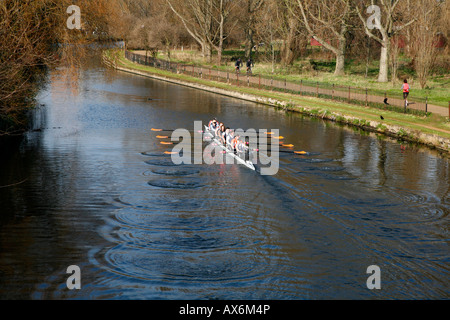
[94, 189]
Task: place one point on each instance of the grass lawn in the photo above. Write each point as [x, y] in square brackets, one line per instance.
[433, 125]
[437, 90]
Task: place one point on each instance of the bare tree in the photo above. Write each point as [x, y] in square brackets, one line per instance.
[393, 58]
[269, 28]
[249, 20]
[290, 48]
[221, 12]
[207, 22]
[196, 17]
[390, 20]
[29, 30]
[325, 21]
[424, 43]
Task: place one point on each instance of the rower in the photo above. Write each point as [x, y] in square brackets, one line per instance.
[234, 143]
[220, 129]
[229, 137]
[240, 146]
[224, 136]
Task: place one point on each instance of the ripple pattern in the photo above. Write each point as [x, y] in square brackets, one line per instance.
[187, 230]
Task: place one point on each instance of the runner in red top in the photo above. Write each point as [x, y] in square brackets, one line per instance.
[405, 88]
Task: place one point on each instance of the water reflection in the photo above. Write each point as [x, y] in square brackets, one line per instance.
[101, 194]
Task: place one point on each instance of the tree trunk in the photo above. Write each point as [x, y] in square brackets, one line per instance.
[384, 61]
[290, 52]
[340, 54]
[341, 35]
[249, 43]
[221, 35]
[340, 64]
[206, 49]
[219, 53]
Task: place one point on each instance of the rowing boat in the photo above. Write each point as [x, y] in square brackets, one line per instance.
[248, 164]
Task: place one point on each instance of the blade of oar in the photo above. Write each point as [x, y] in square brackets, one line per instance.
[171, 130]
[284, 151]
[267, 137]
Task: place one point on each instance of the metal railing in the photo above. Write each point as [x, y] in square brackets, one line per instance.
[363, 97]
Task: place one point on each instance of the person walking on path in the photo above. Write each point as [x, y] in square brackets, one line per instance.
[405, 88]
[249, 66]
[238, 64]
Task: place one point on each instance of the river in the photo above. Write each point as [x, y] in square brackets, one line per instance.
[92, 187]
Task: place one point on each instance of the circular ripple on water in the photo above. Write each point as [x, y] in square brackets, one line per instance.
[446, 200]
[325, 168]
[312, 160]
[175, 221]
[430, 206]
[175, 172]
[189, 267]
[412, 197]
[336, 177]
[178, 240]
[152, 154]
[162, 162]
[185, 183]
[327, 172]
[160, 202]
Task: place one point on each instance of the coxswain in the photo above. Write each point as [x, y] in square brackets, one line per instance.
[212, 125]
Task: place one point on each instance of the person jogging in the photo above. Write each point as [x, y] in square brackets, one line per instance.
[405, 88]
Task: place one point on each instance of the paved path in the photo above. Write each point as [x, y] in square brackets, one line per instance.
[322, 89]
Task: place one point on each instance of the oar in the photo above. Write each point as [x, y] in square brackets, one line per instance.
[171, 130]
[264, 134]
[268, 134]
[267, 137]
[285, 151]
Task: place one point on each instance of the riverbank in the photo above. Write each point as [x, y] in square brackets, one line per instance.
[432, 131]
[312, 70]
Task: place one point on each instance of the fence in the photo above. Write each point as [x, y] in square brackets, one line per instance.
[364, 97]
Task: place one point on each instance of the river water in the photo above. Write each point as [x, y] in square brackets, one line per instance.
[94, 189]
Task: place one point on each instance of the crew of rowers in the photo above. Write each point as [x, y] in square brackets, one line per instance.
[227, 136]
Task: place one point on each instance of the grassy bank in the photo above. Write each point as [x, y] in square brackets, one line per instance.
[437, 89]
[433, 131]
